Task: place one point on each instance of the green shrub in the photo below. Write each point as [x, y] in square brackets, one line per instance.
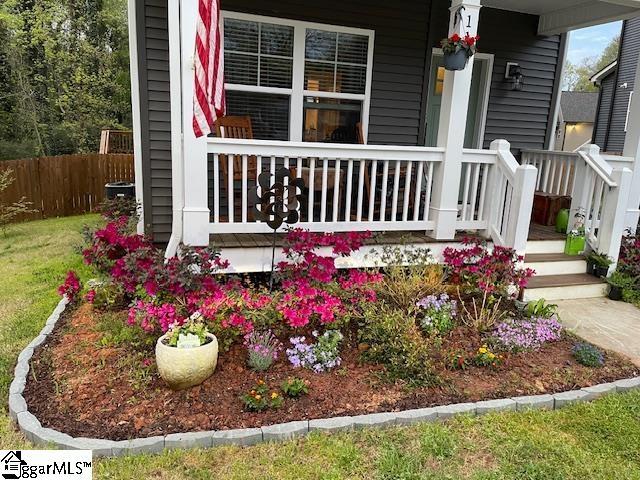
[295, 387]
[588, 355]
[391, 338]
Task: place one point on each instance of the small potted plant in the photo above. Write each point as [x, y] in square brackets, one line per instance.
[187, 354]
[576, 240]
[618, 282]
[457, 50]
[598, 264]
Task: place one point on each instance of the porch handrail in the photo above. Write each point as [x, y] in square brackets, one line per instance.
[513, 186]
[601, 194]
[556, 170]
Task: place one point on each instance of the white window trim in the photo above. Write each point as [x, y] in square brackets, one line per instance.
[297, 91]
[626, 120]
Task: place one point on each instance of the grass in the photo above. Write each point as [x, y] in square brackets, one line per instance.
[589, 441]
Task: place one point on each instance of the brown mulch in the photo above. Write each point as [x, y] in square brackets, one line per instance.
[83, 388]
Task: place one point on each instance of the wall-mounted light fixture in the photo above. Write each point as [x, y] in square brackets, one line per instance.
[513, 73]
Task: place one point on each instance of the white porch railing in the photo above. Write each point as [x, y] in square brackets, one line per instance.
[377, 188]
[601, 193]
[556, 170]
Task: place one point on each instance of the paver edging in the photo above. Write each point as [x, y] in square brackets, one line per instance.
[42, 436]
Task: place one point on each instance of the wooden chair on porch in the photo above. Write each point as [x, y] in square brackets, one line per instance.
[236, 127]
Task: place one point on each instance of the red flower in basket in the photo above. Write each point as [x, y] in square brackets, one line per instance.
[455, 37]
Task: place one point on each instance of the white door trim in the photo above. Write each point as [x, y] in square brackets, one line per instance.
[485, 90]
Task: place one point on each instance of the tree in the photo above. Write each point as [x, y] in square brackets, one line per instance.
[576, 76]
[66, 66]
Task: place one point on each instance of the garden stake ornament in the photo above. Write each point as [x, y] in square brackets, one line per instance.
[276, 203]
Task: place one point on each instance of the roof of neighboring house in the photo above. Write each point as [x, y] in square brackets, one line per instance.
[604, 72]
[579, 106]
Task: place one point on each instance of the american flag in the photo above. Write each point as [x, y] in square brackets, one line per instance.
[208, 97]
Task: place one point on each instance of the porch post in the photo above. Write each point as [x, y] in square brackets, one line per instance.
[451, 130]
[194, 153]
[632, 149]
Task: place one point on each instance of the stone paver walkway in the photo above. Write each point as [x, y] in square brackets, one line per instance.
[603, 322]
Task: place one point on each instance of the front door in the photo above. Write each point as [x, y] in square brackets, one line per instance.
[477, 100]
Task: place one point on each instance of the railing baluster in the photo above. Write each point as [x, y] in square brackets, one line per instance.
[372, 191]
[336, 191]
[230, 159]
[407, 192]
[349, 182]
[418, 193]
[554, 167]
[567, 176]
[245, 174]
[311, 187]
[396, 187]
[483, 190]
[427, 197]
[216, 188]
[363, 165]
[323, 201]
[474, 190]
[465, 194]
[383, 194]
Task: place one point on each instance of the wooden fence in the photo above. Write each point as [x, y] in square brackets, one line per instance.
[66, 184]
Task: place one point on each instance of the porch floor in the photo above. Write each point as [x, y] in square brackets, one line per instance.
[261, 240]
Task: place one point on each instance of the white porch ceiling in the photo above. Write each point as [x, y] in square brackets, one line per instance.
[558, 16]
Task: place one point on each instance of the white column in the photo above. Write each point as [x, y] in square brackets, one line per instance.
[452, 125]
[613, 215]
[632, 149]
[194, 150]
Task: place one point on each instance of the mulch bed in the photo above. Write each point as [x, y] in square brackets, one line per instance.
[81, 388]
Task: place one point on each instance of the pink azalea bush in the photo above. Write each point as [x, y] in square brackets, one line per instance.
[488, 271]
[71, 286]
[629, 260]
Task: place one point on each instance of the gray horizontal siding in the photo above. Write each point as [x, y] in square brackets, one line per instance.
[604, 110]
[626, 72]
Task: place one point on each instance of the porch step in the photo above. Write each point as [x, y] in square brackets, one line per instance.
[546, 264]
[565, 287]
[544, 246]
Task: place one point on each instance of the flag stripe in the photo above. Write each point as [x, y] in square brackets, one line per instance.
[208, 96]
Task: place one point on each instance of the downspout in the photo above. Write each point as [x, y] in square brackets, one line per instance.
[177, 157]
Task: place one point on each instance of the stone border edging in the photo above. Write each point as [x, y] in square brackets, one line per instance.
[42, 436]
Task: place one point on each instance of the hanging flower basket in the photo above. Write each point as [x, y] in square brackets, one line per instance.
[457, 50]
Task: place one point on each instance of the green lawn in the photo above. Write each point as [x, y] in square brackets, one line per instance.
[599, 440]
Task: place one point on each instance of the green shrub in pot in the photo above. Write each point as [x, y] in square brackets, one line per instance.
[598, 264]
[618, 282]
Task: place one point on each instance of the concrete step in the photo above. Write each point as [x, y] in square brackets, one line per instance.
[544, 246]
[546, 264]
[565, 287]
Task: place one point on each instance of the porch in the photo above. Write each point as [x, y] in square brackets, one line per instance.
[433, 194]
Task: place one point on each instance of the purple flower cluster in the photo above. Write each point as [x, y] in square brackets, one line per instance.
[527, 334]
[263, 348]
[439, 312]
[320, 356]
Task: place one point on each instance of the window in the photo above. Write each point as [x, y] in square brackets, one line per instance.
[298, 80]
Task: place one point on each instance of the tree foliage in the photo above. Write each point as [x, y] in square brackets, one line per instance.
[577, 75]
[64, 67]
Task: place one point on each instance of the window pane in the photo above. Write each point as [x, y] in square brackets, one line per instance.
[331, 120]
[240, 68]
[276, 40]
[320, 45]
[240, 35]
[351, 79]
[318, 77]
[352, 48]
[275, 72]
[269, 113]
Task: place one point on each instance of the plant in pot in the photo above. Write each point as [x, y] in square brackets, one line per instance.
[598, 264]
[576, 240]
[618, 282]
[457, 50]
[187, 354]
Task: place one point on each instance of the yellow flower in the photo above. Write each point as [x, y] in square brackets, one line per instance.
[274, 395]
[260, 382]
[482, 350]
[258, 397]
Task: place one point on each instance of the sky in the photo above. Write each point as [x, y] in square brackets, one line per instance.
[591, 41]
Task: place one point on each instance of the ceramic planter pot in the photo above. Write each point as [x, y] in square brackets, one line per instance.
[186, 367]
[455, 61]
[591, 268]
[615, 293]
[562, 221]
[600, 271]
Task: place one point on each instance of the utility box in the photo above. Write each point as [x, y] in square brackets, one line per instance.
[120, 190]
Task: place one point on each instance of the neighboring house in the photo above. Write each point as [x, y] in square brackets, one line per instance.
[616, 82]
[575, 121]
[352, 96]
